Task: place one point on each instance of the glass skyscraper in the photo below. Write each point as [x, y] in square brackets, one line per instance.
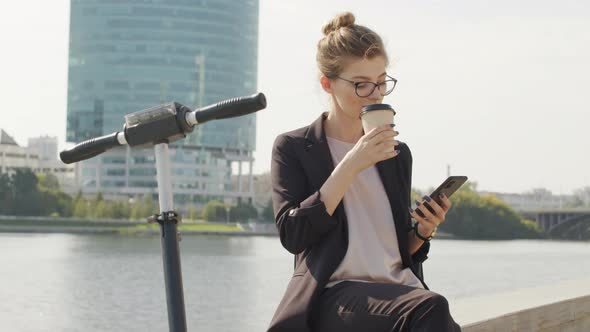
[129, 55]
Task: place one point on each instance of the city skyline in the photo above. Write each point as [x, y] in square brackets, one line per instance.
[504, 83]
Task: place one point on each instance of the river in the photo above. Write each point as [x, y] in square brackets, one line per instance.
[63, 282]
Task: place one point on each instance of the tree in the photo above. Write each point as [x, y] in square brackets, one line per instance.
[80, 209]
[54, 201]
[103, 210]
[243, 212]
[192, 213]
[214, 211]
[6, 194]
[136, 210]
[148, 208]
[485, 217]
[120, 210]
[93, 206]
[268, 214]
[48, 182]
[27, 199]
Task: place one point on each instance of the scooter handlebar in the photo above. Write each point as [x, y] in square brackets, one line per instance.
[228, 109]
[89, 148]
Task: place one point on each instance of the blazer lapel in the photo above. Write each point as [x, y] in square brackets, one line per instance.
[391, 179]
[317, 147]
[391, 176]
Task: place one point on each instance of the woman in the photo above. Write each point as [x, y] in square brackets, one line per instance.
[341, 199]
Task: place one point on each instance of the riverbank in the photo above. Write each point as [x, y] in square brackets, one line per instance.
[17, 224]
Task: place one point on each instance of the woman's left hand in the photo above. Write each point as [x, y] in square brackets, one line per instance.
[430, 221]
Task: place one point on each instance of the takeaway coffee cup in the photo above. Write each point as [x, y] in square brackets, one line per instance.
[376, 115]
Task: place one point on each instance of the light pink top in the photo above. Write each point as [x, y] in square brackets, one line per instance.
[373, 252]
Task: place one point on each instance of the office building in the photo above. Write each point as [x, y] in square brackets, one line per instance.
[128, 55]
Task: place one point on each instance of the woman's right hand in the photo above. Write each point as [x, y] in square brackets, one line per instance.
[376, 145]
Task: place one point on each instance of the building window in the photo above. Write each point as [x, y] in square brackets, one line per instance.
[113, 160]
[142, 172]
[114, 171]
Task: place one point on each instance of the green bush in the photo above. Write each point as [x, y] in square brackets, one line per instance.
[243, 212]
[268, 214]
[485, 217]
[214, 211]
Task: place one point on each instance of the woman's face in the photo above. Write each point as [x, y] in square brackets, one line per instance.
[358, 70]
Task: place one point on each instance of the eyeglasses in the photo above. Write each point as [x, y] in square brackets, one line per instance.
[365, 89]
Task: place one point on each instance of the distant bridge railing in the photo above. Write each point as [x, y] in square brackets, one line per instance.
[556, 222]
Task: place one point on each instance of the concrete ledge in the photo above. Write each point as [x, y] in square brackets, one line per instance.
[560, 307]
[571, 316]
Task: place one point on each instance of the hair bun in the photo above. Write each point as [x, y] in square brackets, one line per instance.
[341, 21]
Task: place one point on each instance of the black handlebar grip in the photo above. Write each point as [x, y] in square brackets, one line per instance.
[90, 148]
[231, 108]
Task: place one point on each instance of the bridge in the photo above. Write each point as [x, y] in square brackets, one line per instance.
[568, 222]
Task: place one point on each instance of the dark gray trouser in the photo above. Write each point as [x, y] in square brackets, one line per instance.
[380, 307]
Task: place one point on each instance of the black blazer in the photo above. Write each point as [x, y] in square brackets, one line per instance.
[301, 163]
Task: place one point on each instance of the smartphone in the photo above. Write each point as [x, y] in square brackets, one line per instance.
[448, 187]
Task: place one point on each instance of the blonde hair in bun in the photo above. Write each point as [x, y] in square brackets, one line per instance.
[344, 39]
[341, 21]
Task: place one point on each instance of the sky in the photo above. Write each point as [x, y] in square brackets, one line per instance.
[496, 90]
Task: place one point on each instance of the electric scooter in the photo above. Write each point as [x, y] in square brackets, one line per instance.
[159, 126]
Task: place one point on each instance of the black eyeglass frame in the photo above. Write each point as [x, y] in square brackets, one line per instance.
[375, 85]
